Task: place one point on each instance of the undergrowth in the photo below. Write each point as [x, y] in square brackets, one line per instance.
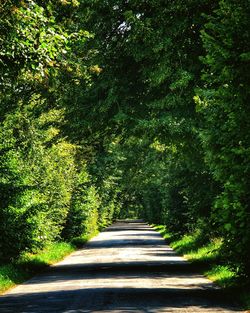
[29, 264]
[208, 258]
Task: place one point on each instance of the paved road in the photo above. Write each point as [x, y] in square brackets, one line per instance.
[127, 268]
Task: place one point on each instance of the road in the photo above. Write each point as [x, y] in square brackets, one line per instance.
[126, 268]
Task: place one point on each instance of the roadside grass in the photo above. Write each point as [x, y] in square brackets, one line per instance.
[222, 275]
[78, 242]
[192, 249]
[207, 258]
[29, 264]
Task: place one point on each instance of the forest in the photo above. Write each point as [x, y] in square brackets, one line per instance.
[125, 109]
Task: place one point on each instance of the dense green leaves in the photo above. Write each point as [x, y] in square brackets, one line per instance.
[174, 92]
[46, 191]
[124, 108]
[224, 105]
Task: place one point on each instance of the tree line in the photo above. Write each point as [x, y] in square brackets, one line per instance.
[124, 108]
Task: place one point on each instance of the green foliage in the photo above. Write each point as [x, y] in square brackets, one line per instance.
[184, 161]
[29, 264]
[223, 275]
[205, 253]
[37, 178]
[192, 248]
[46, 191]
[223, 104]
[82, 215]
[116, 109]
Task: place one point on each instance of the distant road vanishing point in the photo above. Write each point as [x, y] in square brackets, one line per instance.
[126, 268]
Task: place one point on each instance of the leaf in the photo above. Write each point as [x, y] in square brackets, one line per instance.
[228, 226]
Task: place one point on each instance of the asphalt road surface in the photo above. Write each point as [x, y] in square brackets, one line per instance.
[126, 268]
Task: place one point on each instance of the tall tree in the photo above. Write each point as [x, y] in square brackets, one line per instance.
[224, 105]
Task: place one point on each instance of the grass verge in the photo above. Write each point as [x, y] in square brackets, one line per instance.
[30, 264]
[208, 260]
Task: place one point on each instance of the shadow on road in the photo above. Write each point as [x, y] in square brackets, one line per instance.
[127, 268]
[113, 299]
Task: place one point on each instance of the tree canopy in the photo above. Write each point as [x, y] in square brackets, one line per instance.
[114, 109]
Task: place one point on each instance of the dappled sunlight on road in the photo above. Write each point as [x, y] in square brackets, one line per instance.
[127, 268]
